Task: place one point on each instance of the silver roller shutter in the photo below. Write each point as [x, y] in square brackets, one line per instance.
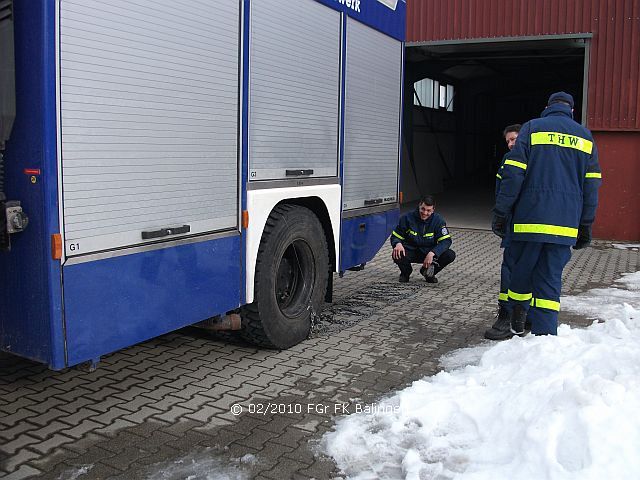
[372, 117]
[294, 83]
[149, 117]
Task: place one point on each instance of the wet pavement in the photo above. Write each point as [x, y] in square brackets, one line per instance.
[193, 405]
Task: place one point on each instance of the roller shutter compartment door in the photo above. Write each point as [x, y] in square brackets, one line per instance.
[372, 117]
[149, 120]
[294, 89]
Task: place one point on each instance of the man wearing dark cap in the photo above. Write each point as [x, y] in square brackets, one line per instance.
[549, 190]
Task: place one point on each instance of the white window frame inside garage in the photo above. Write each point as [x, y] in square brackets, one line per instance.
[431, 93]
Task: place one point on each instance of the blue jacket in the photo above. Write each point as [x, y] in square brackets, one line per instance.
[501, 171]
[430, 235]
[506, 240]
[550, 179]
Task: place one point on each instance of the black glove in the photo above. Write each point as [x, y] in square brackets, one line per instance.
[584, 237]
[499, 225]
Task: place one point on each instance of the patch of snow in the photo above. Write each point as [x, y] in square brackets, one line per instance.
[547, 407]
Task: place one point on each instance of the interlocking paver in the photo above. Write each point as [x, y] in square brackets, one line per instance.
[141, 415]
[216, 391]
[204, 413]
[148, 429]
[105, 405]
[110, 415]
[82, 429]
[17, 443]
[284, 468]
[113, 428]
[173, 414]
[51, 443]
[78, 416]
[25, 471]
[161, 400]
[76, 405]
[48, 404]
[125, 457]
[13, 432]
[20, 415]
[49, 429]
[121, 440]
[102, 394]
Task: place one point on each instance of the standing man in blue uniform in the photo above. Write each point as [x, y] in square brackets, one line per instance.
[550, 188]
[422, 237]
[510, 134]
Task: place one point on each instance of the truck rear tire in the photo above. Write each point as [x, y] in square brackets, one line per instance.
[291, 276]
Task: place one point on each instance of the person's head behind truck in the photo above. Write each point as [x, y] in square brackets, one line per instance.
[510, 134]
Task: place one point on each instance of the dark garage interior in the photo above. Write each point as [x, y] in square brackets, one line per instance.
[458, 98]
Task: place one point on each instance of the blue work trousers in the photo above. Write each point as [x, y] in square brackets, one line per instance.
[505, 277]
[536, 282]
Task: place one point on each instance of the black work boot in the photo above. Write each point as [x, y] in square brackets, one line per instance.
[500, 316]
[501, 329]
[429, 273]
[518, 319]
[405, 273]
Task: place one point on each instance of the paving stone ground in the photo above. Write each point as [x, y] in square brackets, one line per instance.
[162, 409]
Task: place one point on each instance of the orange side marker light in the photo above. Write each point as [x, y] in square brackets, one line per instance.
[56, 246]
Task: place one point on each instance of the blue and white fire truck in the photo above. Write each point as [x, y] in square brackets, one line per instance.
[169, 162]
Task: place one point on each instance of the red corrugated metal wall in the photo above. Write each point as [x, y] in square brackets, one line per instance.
[618, 215]
[613, 84]
[614, 73]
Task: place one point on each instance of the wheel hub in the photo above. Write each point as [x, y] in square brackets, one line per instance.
[294, 280]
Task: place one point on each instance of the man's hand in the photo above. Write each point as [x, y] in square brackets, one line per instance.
[428, 260]
[499, 225]
[398, 252]
[584, 237]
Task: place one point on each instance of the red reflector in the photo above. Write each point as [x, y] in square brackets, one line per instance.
[32, 171]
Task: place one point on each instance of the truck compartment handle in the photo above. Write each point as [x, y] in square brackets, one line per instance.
[163, 232]
[374, 201]
[297, 173]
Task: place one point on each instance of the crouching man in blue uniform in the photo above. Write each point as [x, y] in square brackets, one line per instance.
[549, 188]
[422, 237]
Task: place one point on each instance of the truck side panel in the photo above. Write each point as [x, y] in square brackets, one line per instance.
[149, 121]
[294, 91]
[116, 302]
[363, 236]
[372, 117]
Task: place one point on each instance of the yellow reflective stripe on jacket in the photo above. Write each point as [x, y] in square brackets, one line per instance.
[519, 296]
[396, 235]
[443, 237]
[516, 164]
[545, 229]
[503, 297]
[548, 304]
[428, 234]
[593, 175]
[498, 175]
[412, 232]
[560, 139]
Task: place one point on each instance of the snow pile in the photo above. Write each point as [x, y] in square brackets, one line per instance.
[562, 407]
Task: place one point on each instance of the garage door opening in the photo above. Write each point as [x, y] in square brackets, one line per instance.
[460, 95]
